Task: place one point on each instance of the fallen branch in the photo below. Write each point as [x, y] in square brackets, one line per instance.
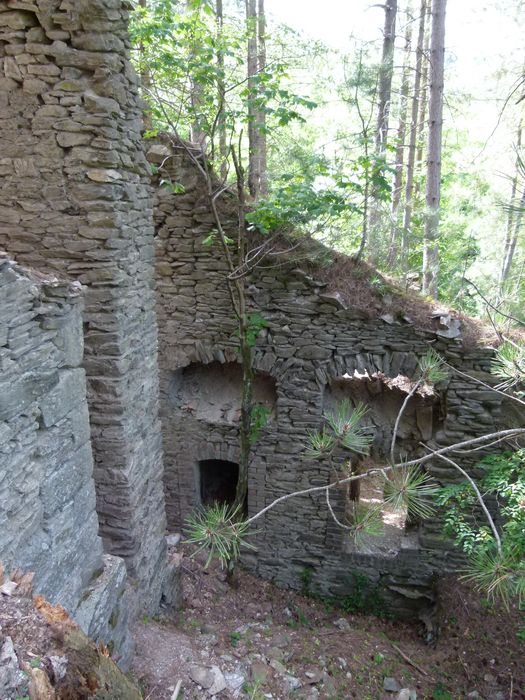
[408, 659]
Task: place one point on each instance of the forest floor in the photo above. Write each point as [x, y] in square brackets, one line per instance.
[257, 642]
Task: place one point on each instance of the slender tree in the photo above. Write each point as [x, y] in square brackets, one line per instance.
[221, 90]
[414, 119]
[262, 146]
[384, 99]
[401, 136]
[253, 112]
[435, 135]
[197, 130]
[421, 136]
[386, 71]
[145, 76]
[514, 214]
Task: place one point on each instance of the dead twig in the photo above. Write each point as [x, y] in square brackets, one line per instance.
[177, 690]
[408, 659]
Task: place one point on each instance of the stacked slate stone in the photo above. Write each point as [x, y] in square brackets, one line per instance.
[48, 521]
[75, 198]
[313, 339]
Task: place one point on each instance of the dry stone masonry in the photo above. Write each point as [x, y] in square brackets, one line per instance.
[307, 359]
[74, 198]
[48, 521]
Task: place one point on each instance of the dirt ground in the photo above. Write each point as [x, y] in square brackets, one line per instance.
[258, 641]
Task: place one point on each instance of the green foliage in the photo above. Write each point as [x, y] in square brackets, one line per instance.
[509, 366]
[431, 367]
[500, 576]
[253, 690]
[306, 580]
[173, 187]
[219, 530]
[345, 422]
[364, 521]
[364, 597]
[235, 638]
[346, 431]
[255, 324]
[307, 200]
[178, 48]
[320, 444]
[441, 693]
[259, 417]
[410, 489]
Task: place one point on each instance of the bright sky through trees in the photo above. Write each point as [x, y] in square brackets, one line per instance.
[481, 35]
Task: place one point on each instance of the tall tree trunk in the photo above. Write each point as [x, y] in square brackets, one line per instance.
[385, 75]
[221, 91]
[420, 164]
[262, 142]
[145, 76]
[253, 160]
[197, 134]
[384, 98]
[401, 136]
[512, 241]
[435, 136]
[513, 220]
[414, 119]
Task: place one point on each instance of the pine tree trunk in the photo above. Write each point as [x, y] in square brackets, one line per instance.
[385, 75]
[253, 160]
[145, 76]
[421, 139]
[197, 134]
[400, 148]
[435, 135]
[221, 90]
[511, 242]
[262, 145]
[513, 222]
[384, 98]
[414, 120]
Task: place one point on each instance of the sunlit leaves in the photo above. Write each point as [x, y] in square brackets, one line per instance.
[194, 71]
[300, 201]
[173, 187]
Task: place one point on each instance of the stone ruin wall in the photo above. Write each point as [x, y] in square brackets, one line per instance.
[48, 521]
[75, 201]
[311, 340]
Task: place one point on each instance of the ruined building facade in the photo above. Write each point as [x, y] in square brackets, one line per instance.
[315, 351]
[84, 462]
